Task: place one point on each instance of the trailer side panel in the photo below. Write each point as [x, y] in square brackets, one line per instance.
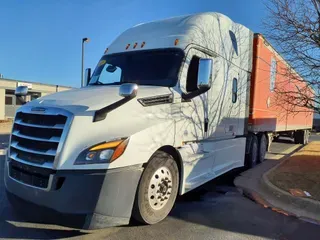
[267, 112]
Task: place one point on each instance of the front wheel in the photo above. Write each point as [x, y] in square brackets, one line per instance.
[157, 190]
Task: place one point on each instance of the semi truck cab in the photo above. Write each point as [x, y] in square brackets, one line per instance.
[165, 110]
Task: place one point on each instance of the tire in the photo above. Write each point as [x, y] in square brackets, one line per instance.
[297, 137]
[301, 137]
[156, 193]
[252, 158]
[263, 145]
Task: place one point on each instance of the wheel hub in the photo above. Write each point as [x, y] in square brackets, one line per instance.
[160, 186]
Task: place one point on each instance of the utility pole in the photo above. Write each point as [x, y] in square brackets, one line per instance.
[84, 40]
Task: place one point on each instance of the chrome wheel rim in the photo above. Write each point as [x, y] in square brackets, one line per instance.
[160, 188]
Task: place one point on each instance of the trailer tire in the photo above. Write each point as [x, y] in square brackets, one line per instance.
[263, 145]
[298, 137]
[252, 157]
[157, 190]
[301, 137]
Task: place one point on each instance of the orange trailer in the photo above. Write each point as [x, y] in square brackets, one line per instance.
[268, 113]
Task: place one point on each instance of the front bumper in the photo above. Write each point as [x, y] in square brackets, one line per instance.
[105, 197]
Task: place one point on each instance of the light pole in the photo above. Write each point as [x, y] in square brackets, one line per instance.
[82, 60]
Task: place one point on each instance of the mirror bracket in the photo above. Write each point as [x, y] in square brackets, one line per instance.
[188, 96]
[127, 90]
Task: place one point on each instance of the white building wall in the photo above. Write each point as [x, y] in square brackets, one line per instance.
[2, 106]
[8, 84]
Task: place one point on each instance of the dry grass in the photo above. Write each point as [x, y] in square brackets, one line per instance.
[301, 171]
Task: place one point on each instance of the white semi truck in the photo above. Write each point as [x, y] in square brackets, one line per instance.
[165, 110]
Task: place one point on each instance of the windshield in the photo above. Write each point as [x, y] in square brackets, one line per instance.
[157, 68]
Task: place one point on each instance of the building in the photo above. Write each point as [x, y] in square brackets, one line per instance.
[8, 101]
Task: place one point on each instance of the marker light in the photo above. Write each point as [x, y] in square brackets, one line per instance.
[176, 42]
[106, 50]
[135, 45]
[106, 145]
[127, 46]
[119, 150]
[142, 44]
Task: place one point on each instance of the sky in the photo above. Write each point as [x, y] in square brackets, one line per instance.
[41, 39]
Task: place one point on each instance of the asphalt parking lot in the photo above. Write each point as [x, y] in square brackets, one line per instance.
[215, 211]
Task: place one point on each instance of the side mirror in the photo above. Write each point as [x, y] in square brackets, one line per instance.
[21, 91]
[204, 74]
[128, 90]
[87, 76]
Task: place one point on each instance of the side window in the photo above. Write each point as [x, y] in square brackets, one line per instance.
[234, 90]
[273, 72]
[192, 74]
[8, 100]
[234, 41]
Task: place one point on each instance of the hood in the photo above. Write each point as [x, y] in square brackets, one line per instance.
[92, 98]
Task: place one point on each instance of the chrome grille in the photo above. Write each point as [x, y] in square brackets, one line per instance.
[36, 137]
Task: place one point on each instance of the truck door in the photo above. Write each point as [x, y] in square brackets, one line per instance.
[197, 154]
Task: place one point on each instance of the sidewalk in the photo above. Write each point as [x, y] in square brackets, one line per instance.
[291, 187]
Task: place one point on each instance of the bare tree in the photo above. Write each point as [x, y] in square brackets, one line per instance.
[293, 26]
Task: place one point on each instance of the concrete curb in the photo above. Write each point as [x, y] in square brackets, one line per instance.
[255, 185]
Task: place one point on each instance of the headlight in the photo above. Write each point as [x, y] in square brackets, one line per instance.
[103, 153]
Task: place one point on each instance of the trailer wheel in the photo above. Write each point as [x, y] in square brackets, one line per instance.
[297, 137]
[157, 190]
[263, 145]
[252, 157]
[301, 137]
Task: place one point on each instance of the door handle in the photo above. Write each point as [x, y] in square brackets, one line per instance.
[206, 124]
